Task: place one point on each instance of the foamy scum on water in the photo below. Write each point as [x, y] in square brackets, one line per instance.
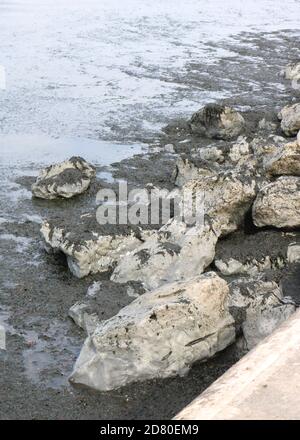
[117, 67]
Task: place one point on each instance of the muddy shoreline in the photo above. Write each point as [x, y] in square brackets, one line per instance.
[37, 289]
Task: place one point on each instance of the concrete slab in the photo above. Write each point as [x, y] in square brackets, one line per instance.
[263, 385]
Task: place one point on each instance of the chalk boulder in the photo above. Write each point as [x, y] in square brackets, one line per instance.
[285, 161]
[217, 122]
[158, 335]
[290, 119]
[64, 180]
[181, 250]
[88, 252]
[175, 253]
[278, 204]
[226, 198]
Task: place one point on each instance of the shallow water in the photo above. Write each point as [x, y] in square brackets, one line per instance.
[120, 69]
[25, 150]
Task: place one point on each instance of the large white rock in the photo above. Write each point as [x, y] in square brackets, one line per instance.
[160, 334]
[91, 254]
[290, 119]
[179, 251]
[227, 198]
[278, 204]
[258, 308]
[285, 161]
[218, 122]
[65, 179]
[165, 258]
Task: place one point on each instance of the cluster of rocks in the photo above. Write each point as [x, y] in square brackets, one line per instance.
[187, 314]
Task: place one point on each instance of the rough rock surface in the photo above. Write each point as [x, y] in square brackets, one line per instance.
[218, 122]
[286, 161]
[258, 308]
[227, 198]
[262, 146]
[96, 252]
[65, 179]
[160, 334]
[207, 161]
[278, 204]
[290, 119]
[186, 169]
[178, 251]
[250, 253]
[174, 253]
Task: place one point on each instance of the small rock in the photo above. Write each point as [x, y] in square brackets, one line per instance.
[230, 267]
[257, 308]
[186, 170]
[290, 119]
[266, 125]
[239, 150]
[292, 71]
[94, 288]
[227, 198]
[158, 335]
[286, 161]
[64, 180]
[217, 122]
[169, 148]
[278, 204]
[82, 316]
[212, 154]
